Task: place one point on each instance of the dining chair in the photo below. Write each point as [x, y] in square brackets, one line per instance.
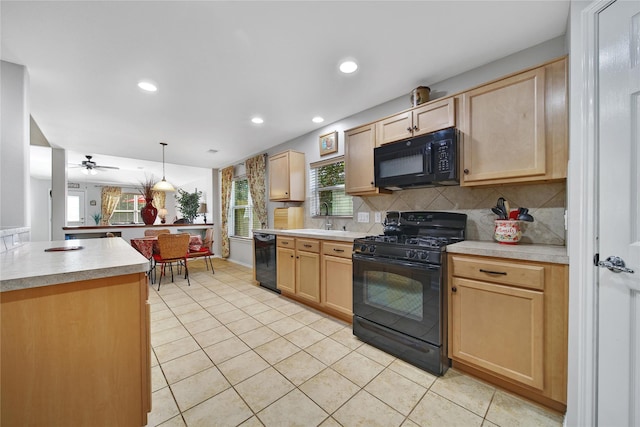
[153, 233]
[172, 248]
[205, 250]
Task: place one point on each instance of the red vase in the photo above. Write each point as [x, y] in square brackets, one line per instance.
[149, 212]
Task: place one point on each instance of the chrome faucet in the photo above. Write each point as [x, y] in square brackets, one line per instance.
[327, 223]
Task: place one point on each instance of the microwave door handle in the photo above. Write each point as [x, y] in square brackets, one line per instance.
[427, 154]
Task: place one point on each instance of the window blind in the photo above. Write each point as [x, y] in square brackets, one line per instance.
[326, 184]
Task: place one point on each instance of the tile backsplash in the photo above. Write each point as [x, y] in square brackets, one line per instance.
[546, 203]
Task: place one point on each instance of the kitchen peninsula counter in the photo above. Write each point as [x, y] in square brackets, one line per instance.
[75, 333]
[521, 251]
[29, 266]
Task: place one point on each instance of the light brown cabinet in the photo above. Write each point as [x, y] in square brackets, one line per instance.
[77, 353]
[337, 277]
[317, 273]
[430, 117]
[288, 218]
[308, 269]
[515, 129]
[287, 177]
[298, 267]
[508, 324]
[358, 161]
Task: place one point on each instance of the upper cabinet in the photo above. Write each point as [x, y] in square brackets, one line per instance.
[287, 177]
[427, 118]
[358, 161]
[515, 129]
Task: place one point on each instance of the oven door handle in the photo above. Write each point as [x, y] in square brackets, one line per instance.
[398, 262]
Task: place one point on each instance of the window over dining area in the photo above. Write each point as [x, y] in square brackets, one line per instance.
[242, 218]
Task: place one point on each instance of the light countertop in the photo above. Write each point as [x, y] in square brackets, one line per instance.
[312, 233]
[29, 266]
[521, 251]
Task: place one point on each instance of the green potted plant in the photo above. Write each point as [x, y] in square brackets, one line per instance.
[189, 204]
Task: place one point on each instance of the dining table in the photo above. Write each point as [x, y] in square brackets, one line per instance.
[148, 245]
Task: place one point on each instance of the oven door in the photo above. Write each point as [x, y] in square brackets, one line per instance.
[399, 295]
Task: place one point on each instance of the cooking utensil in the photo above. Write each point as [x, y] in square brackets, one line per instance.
[496, 210]
[525, 217]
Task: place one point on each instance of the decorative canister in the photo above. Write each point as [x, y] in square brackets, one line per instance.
[507, 231]
[420, 95]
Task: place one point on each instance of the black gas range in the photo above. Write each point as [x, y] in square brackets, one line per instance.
[399, 299]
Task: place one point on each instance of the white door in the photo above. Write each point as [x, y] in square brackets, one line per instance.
[75, 208]
[619, 214]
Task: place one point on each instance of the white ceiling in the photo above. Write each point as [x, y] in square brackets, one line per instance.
[217, 64]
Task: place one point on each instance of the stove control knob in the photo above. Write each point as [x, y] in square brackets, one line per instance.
[372, 248]
[363, 248]
[411, 254]
[424, 255]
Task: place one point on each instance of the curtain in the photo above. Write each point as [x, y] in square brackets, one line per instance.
[110, 199]
[256, 167]
[159, 199]
[227, 179]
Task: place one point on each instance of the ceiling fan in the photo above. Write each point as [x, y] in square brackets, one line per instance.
[89, 167]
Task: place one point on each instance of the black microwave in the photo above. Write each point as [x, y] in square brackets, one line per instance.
[427, 160]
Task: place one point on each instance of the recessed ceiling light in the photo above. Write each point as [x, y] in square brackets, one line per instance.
[317, 119]
[257, 120]
[212, 151]
[147, 86]
[348, 67]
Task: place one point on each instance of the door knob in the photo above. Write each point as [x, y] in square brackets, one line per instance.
[615, 264]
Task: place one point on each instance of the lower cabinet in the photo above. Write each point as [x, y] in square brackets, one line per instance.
[337, 278]
[77, 353]
[298, 268]
[508, 324]
[317, 273]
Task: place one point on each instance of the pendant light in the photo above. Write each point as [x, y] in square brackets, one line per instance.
[163, 185]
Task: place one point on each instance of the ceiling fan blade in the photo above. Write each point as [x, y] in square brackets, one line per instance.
[106, 167]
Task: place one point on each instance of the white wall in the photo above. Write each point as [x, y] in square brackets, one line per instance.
[14, 146]
[40, 210]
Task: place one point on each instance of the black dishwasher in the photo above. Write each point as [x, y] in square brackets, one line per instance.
[265, 259]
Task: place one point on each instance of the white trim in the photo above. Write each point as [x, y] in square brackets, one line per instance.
[582, 214]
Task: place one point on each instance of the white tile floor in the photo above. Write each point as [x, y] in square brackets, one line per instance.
[228, 353]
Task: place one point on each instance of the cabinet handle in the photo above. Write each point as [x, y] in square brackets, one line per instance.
[307, 246]
[466, 171]
[503, 273]
[372, 183]
[291, 256]
[285, 243]
[338, 250]
[454, 289]
[415, 128]
[408, 129]
[297, 257]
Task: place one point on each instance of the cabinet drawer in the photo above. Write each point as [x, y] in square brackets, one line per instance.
[342, 250]
[308, 245]
[505, 272]
[285, 242]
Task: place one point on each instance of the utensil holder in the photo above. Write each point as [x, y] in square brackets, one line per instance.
[507, 231]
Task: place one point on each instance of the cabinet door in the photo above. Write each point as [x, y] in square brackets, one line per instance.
[359, 145]
[337, 284]
[504, 127]
[286, 270]
[394, 128]
[498, 328]
[279, 177]
[308, 275]
[434, 116]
